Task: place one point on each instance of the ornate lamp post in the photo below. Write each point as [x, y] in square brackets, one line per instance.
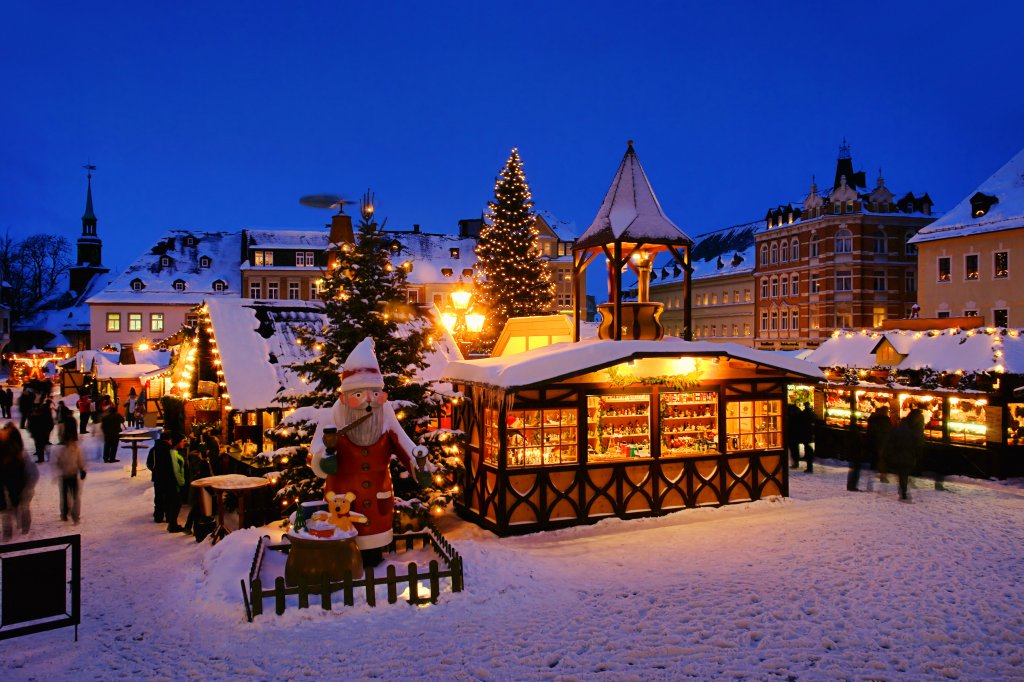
[461, 321]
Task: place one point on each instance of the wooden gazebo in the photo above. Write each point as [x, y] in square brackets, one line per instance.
[630, 230]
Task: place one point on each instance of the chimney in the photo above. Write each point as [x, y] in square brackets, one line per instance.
[341, 229]
[127, 354]
[416, 228]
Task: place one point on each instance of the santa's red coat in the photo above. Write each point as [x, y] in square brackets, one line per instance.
[363, 471]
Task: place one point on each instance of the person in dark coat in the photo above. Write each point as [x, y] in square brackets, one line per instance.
[807, 422]
[871, 445]
[26, 401]
[84, 412]
[794, 420]
[161, 448]
[198, 467]
[5, 404]
[110, 425]
[12, 483]
[902, 453]
[40, 425]
[168, 479]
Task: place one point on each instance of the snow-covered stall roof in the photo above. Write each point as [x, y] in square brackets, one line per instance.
[948, 350]
[257, 343]
[183, 251]
[1006, 185]
[565, 360]
[630, 211]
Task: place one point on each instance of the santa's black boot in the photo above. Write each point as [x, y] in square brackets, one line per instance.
[372, 557]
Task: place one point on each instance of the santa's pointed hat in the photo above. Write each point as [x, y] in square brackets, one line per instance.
[361, 370]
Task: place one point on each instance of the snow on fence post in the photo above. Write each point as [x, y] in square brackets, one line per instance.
[371, 587]
[279, 594]
[392, 585]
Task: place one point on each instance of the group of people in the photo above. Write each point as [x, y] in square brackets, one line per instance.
[890, 449]
[175, 461]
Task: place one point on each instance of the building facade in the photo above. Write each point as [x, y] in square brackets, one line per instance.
[842, 260]
[970, 258]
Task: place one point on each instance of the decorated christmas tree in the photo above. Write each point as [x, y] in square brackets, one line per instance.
[364, 295]
[514, 282]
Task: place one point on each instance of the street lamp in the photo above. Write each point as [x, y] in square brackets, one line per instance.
[459, 319]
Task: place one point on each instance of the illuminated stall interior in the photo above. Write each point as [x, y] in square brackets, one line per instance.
[576, 432]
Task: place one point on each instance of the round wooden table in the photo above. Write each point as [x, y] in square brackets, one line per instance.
[134, 439]
[242, 486]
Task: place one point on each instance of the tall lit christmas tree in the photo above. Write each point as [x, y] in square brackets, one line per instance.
[514, 281]
[364, 294]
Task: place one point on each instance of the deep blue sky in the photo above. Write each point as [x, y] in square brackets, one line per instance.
[219, 115]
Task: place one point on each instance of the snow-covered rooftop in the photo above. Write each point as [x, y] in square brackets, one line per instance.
[432, 253]
[630, 210]
[948, 350]
[564, 360]
[1006, 185]
[183, 262]
[288, 239]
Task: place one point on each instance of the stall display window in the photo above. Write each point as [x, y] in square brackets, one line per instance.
[837, 408]
[689, 423]
[967, 421]
[1015, 424]
[868, 402]
[618, 427]
[491, 444]
[538, 437]
[753, 425]
[932, 408]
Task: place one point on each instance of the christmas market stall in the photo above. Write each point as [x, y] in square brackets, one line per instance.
[964, 381]
[573, 433]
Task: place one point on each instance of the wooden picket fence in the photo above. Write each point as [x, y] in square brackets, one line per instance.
[449, 566]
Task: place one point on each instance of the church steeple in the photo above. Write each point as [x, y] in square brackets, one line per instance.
[89, 217]
[90, 247]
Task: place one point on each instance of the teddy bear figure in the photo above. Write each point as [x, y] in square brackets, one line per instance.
[339, 509]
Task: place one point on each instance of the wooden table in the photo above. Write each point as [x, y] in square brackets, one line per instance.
[243, 486]
[134, 439]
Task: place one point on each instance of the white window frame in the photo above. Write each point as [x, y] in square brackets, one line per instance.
[113, 322]
[844, 241]
[255, 288]
[179, 285]
[794, 249]
[294, 291]
[273, 290]
[156, 322]
[844, 279]
[135, 322]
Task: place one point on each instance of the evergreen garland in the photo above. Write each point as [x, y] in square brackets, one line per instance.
[514, 281]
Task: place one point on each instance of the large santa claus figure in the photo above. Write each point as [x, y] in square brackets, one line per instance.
[356, 460]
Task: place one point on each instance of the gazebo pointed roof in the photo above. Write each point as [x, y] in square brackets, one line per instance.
[631, 212]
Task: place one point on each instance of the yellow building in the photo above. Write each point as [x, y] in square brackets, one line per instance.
[966, 259]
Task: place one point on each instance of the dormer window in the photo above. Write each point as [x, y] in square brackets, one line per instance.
[204, 262]
[220, 285]
[190, 241]
[447, 272]
[137, 284]
[165, 261]
[467, 273]
[179, 285]
[982, 203]
[454, 253]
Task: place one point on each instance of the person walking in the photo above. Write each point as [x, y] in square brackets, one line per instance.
[40, 426]
[5, 407]
[10, 437]
[807, 424]
[198, 467]
[9, 399]
[129, 408]
[161, 449]
[71, 471]
[12, 482]
[877, 437]
[84, 413]
[25, 403]
[794, 420]
[110, 425]
[901, 454]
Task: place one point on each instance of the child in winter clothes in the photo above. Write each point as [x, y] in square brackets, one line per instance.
[70, 469]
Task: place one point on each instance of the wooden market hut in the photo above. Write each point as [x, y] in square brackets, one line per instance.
[968, 381]
[573, 433]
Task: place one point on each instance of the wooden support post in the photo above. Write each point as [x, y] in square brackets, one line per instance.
[392, 585]
[371, 587]
[435, 582]
[279, 595]
[325, 592]
[414, 585]
[256, 590]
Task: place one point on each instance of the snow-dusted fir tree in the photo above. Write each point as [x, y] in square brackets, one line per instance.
[514, 282]
[364, 294]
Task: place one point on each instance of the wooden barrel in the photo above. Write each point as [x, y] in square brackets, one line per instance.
[640, 321]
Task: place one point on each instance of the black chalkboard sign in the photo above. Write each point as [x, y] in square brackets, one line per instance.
[40, 584]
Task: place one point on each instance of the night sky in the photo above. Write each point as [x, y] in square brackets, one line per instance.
[221, 115]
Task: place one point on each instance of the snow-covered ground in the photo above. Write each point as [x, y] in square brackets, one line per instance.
[824, 585]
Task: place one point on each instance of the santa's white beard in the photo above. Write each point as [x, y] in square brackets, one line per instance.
[370, 430]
